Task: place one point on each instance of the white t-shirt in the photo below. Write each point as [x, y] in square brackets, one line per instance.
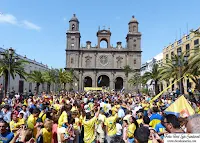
[119, 129]
[60, 131]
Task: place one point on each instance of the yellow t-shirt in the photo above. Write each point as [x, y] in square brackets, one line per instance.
[131, 130]
[139, 121]
[21, 121]
[43, 117]
[145, 106]
[31, 123]
[47, 136]
[62, 119]
[13, 126]
[56, 106]
[76, 124]
[110, 122]
[89, 130]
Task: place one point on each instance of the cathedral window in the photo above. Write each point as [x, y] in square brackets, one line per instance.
[73, 27]
[72, 60]
[134, 45]
[134, 61]
[134, 28]
[72, 45]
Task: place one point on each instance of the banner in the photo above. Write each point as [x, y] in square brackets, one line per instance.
[181, 108]
[157, 96]
[92, 89]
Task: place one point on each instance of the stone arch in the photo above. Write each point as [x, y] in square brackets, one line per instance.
[87, 81]
[104, 43]
[119, 83]
[103, 81]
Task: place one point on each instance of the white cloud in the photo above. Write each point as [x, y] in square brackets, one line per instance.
[11, 19]
[8, 18]
[30, 25]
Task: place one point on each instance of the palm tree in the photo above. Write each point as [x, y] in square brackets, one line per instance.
[37, 77]
[136, 80]
[171, 69]
[49, 77]
[64, 77]
[127, 70]
[14, 66]
[153, 75]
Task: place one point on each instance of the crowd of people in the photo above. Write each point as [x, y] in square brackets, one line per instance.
[91, 117]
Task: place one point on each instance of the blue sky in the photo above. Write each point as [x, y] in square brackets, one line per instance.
[37, 28]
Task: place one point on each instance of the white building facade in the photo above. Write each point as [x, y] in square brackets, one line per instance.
[20, 85]
[148, 66]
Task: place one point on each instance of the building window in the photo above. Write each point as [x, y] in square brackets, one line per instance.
[196, 42]
[167, 57]
[187, 47]
[179, 49]
[72, 60]
[73, 27]
[72, 45]
[30, 86]
[134, 45]
[172, 55]
[134, 61]
[134, 40]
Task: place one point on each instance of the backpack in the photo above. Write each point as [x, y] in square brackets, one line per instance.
[39, 119]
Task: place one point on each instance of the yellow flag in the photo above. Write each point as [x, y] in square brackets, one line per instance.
[180, 108]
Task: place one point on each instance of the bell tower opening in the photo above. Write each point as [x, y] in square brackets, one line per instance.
[104, 38]
[104, 43]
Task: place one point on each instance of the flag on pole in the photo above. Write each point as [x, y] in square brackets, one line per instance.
[100, 80]
[180, 108]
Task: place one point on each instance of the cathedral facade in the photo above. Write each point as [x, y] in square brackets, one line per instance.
[95, 66]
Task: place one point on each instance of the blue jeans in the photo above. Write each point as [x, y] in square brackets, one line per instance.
[131, 140]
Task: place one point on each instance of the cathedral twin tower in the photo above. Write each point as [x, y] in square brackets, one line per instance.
[102, 67]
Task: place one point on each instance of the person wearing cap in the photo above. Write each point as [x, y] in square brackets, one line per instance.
[89, 127]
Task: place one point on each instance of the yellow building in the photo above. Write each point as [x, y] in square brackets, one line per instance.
[185, 44]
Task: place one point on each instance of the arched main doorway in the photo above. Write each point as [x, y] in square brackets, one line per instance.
[118, 83]
[87, 81]
[103, 81]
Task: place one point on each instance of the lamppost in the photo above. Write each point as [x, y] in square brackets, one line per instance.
[9, 60]
[180, 64]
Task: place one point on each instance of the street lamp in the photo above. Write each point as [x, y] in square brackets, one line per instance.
[180, 64]
[9, 61]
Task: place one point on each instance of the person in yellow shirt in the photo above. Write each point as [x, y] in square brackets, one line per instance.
[110, 123]
[131, 129]
[42, 114]
[31, 122]
[89, 127]
[63, 117]
[21, 120]
[14, 124]
[47, 131]
[140, 118]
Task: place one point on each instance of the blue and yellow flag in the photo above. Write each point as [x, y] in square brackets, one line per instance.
[100, 80]
[180, 108]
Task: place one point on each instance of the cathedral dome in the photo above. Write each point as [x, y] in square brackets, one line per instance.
[74, 18]
[133, 20]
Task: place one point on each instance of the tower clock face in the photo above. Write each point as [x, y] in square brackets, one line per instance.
[103, 60]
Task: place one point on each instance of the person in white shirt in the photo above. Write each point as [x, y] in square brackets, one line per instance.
[25, 112]
[119, 128]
